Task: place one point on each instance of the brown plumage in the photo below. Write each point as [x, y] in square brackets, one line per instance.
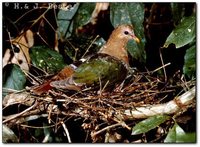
[116, 44]
[106, 65]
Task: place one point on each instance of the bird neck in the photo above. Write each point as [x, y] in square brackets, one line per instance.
[117, 48]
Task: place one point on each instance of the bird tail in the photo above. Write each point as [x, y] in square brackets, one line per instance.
[46, 86]
[66, 84]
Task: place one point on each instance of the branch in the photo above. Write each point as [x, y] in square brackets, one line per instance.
[171, 107]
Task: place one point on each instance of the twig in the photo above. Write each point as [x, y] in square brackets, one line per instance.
[161, 58]
[104, 129]
[87, 50]
[160, 68]
[123, 124]
[38, 33]
[105, 86]
[100, 85]
[49, 24]
[43, 127]
[66, 131]
[21, 113]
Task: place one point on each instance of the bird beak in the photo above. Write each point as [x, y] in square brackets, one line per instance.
[136, 39]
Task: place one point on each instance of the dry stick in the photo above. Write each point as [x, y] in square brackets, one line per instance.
[25, 14]
[168, 108]
[123, 124]
[10, 90]
[49, 24]
[35, 21]
[28, 113]
[160, 68]
[104, 129]
[38, 33]
[66, 131]
[21, 113]
[161, 58]
[145, 111]
[87, 50]
[75, 49]
[43, 127]
[49, 114]
[105, 85]
[41, 16]
[100, 85]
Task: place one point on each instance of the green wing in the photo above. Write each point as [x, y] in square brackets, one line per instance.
[104, 68]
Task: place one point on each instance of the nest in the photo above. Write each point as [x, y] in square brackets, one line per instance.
[102, 115]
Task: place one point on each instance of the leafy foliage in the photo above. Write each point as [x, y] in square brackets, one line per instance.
[177, 135]
[131, 13]
[64, 21]
[184, 33]
[178, 12]
[189, 68]
[46, 59]
[83, 15]
[13, 77]
[149, 124]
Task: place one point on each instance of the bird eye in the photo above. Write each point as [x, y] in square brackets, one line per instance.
[126, 32]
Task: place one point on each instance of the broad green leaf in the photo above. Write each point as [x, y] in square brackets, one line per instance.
[135, 51]
[13, 77]
[46, 59]
[187, 138]
[149, 124]
[184, 33]
[83, 14]
[131, 13]
[79, 42]
[177, 135]
[178, 11]
[189, 67]
[64, 18]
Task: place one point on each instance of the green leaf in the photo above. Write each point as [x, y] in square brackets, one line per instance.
[177, 11]
[13, 77]
[184, 33]
[187, 138]
[131, 13]
[135, 51]
[83, 15]
[189, 68]
[46, 59]
[64, 18]
[177, 135]
[149, 124]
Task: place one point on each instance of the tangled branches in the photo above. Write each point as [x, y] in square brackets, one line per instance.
[100, 111]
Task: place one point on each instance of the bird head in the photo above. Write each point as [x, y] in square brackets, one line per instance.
[116, 44]
[125, 32]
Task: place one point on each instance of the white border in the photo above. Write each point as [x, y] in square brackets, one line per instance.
[197, 132]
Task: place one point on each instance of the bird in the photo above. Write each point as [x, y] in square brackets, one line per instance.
[109, 66]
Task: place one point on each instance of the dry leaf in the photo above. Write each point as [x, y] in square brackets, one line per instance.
[21, 58]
